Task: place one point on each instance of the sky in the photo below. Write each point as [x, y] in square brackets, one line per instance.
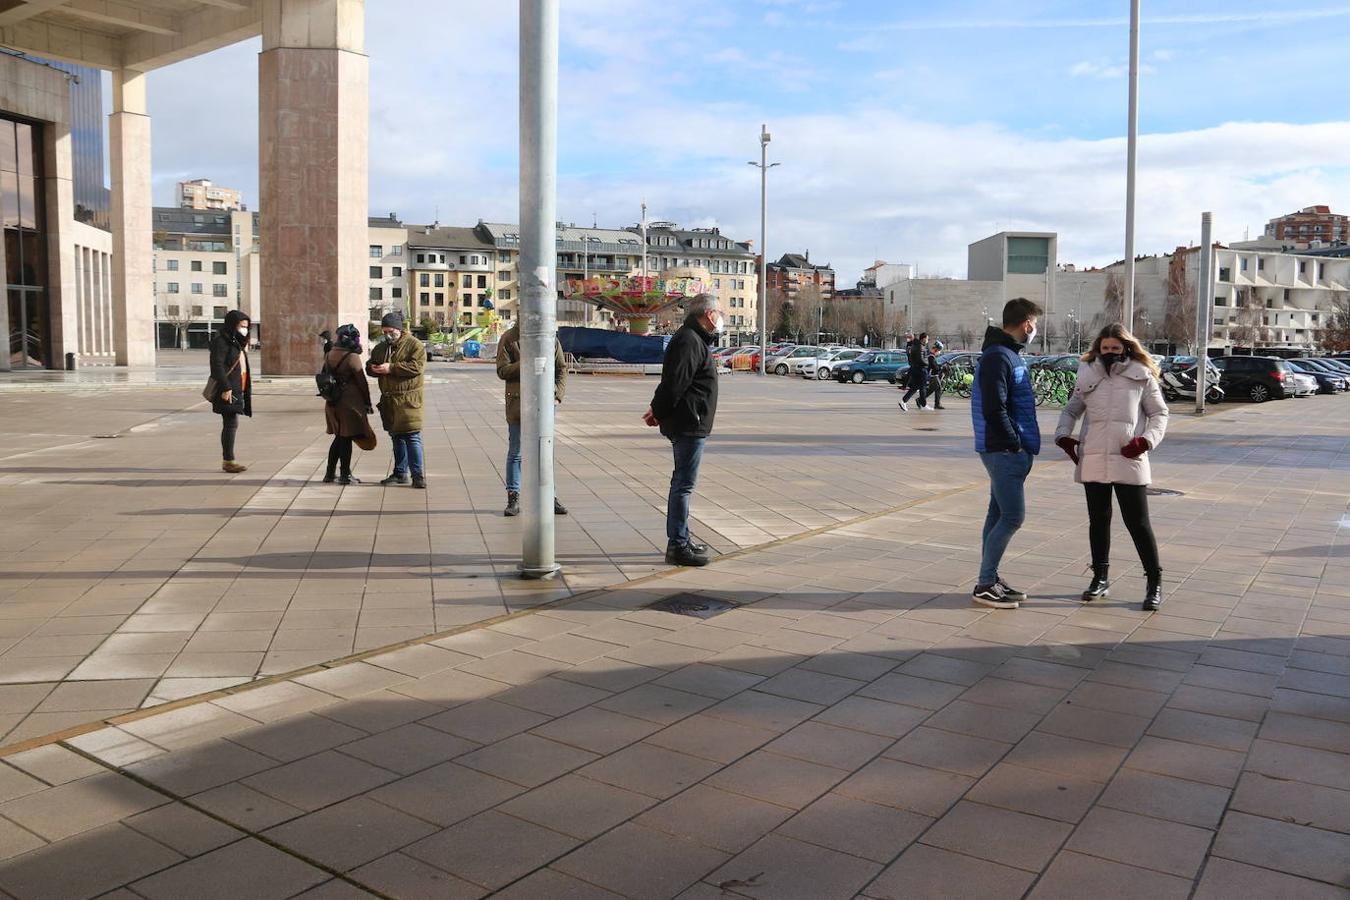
[905, 130]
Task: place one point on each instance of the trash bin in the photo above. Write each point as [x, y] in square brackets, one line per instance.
[70, 362]
[472, 349]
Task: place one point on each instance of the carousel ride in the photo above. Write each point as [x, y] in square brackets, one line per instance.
[635, 299]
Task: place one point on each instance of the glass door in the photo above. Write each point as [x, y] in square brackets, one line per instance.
[27, 344]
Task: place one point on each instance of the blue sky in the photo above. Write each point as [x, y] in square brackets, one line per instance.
[906, 130]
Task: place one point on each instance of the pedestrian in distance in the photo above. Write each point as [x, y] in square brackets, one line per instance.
[400, 363]
[508, 370]
[1007, 437]
[346, 411]
[917, 376]
[684, 407]
[231, 384]
[936, 370]
[1120, 402]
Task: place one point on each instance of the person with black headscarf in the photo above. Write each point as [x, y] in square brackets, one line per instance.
[233, 384]
[346, 416]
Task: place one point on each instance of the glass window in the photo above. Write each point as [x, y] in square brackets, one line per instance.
[421, 257]
[220, 290]
[173, 287]
[1028, 256]
[482, 281]
[171, 265]
[218, 268]
[396, 250]
[504, 294]
[196, 265]
[503, 274]
[376, 271]
[376, 251]
[440, 299]
[377, 293]
[424, 280]
[425, 297]
[468, 281]
[398, 272]
[440, 279]
[396, 293]
[196, 287]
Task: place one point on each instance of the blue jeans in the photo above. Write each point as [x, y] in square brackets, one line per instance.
[918, 384]
[408, 453]
[688, 454]
[1007, 507]
[513, 456]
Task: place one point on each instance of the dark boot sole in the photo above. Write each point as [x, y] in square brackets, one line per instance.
[1088, 596]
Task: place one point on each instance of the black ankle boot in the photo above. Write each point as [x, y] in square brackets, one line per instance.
[1099, 587]
[1153, 593]
[512, 504]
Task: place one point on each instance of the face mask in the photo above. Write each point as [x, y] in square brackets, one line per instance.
[1111, 360]
[718, 324]
[243, 330]
[1031, 335]
[392, 336]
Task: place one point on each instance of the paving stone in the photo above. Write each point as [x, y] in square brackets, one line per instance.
[1008, 726]
[184, 829]
[766, 711]
[1101, 726]
[188, 726]
[1015, 695]
[1052, 753]
[923, 871]
[893, 783]
[576, 806]
[526, 759]
[636, 861]
[14, 783]
[656, 704]
[398, 875]
[1073, 875]
[1321, 734]
[998, 835]
[1066, 798]
[450, 688]
[15, 841]
[776, 779]
[708, 680]
[550, 884]
[446, 794]
[715, 818]
[924, 693]
[647, 769]
[408, 748]
[245, 807]
[331, 890]
[199, 768]
[830, 745]
[778, 866]
[1161, 797]
[1198, 728]
[247, 868]
[856, 827]
[1303, 764]
[1141, 841]
[85, 865]
[1225, 878]
[1284, 847]
[1219, 703]
[471, 850]
[1292, 801]
[290, 739]
[949, 751]
[874, 716]
[91, 802]
[485, 721]
[316, 781]
[350, 834]
[711, 738]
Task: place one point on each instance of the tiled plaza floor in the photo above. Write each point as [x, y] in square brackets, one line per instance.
[854, 728]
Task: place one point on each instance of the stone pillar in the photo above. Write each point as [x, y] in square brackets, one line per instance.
[313, 106]
[62, 292]
[132, 222]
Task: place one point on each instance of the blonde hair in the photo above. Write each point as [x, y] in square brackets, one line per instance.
[1132, 347]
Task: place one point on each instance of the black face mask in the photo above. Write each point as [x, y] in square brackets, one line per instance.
[1111, 360]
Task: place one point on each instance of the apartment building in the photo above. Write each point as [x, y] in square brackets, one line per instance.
[200, 193]
[388, 263]
[725, 264]
[200, 259]
[451, 274]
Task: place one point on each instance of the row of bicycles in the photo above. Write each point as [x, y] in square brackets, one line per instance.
[1050, 386]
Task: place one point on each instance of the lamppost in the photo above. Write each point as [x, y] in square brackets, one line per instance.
[764, 166]
[1073, 323]
[1132, 141]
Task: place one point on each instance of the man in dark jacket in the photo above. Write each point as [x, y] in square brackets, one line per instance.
[684, 406]
[917, 353]
[1007, 437]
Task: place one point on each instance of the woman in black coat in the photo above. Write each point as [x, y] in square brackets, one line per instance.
[234, 384]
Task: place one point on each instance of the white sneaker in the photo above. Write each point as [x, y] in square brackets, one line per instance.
[904, 406]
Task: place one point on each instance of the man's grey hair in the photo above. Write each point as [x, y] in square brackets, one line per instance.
[700, 304]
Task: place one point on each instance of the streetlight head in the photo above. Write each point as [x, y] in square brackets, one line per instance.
[751, 162]
[764, 136]
[771, 165]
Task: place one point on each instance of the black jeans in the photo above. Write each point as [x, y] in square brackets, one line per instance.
[229, 425]
[340, 452]
[1133, 500]
[935, 388]
[918, 384]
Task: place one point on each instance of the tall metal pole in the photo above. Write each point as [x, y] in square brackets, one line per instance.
[764, 167]
[1131, 144]
[1204, 296]
[538, 272]
[644, 243]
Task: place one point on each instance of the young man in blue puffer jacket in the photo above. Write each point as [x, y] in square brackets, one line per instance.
[1007, 437]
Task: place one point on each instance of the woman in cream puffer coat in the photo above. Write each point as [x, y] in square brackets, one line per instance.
[1124, 416]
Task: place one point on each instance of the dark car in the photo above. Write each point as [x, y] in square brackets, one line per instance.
[871, 366]
[1258, 378]
[1329, 379]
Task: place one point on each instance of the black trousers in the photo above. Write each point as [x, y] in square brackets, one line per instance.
[340, 452]
[229, 426]
[1133, 500]
[935, 388]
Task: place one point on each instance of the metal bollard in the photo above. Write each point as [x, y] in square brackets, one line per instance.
[70, 362]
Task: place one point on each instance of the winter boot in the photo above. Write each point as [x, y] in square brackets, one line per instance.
[512, 504]
[1099, 587]
[1153, 593]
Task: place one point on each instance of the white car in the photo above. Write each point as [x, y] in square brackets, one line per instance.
[782, 363]
[821, 368]
[1304, 385]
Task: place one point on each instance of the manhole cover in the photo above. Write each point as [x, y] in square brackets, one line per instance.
[1164, 492]
[695, 605]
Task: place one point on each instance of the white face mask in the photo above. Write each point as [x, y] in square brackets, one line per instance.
[1031, 335]
[392, 336]
[719, 324]
[243, 330]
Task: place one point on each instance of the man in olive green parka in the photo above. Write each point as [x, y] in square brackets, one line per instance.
[400, 364]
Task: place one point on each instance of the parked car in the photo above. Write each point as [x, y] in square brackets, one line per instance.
[871, 366]
[1327, 383]
[746, 358]
[1341, 366]
[823, 368]
[1304, 385]
[1332, 367]
[781, 363]
[1256, 378]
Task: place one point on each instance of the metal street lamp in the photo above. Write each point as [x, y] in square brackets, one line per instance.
[764, 166]
[1132, 141]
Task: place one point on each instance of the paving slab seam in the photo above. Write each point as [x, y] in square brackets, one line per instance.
[137, 715]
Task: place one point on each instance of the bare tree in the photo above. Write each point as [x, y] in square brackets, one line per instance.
[1113, 305]
[1336, 335]
[808, 309]
[1248, 330]
[965, 335]
[1178, 326]
[180, 317]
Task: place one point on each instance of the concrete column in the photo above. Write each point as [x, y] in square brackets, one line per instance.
[132, 222]
[62, 295]
[313, 106]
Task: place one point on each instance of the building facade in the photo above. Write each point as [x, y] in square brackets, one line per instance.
[450, 274]
[200, 193]
[795, 271]
[200, 263]
[1310, 225]
[387, 266]
[726, 265]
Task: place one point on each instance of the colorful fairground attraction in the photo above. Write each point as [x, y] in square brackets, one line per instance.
[635, 299]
